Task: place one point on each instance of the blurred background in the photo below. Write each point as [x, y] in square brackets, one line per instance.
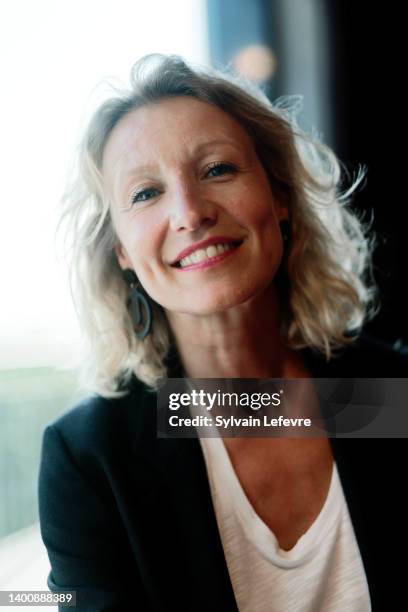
[344, 58]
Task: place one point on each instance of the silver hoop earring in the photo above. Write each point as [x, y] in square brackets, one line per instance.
[139, 305]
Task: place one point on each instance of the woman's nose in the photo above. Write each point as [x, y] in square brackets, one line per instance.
[190, 210]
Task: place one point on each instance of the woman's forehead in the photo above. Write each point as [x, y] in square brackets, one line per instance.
[171, 123]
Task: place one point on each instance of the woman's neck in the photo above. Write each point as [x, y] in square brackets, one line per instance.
[242, 342]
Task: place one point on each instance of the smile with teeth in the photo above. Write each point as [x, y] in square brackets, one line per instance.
[205, 254]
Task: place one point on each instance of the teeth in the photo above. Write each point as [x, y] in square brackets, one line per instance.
[202, 254]
[212, 251]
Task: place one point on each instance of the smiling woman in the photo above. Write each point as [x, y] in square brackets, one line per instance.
[188, 157]
[212, 238]
[188, 211]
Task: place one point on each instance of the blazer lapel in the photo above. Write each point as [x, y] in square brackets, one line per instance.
[186, 552]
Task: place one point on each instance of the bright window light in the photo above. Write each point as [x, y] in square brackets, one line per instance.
[52, 54]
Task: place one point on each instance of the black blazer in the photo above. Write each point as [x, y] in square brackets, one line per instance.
[128, 519]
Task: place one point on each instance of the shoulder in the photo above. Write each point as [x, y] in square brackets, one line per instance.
[98, 423]
[367, 357]
[373, 357]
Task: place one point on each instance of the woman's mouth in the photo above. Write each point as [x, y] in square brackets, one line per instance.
[204, 258]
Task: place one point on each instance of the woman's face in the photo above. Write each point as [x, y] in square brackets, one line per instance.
[180, 173]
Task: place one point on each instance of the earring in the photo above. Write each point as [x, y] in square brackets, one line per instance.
[139, 305]
[285, 229]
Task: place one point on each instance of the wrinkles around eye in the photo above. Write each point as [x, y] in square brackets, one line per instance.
[144, 195]
[213, 171]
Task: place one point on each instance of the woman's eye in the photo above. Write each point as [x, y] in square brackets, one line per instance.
[144, 195]
[219, 169]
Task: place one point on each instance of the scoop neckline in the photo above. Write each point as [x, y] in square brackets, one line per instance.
[256, 529]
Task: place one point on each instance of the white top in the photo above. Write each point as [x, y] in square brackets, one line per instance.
[323, 572]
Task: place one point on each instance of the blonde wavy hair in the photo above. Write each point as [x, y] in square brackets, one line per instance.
[325, 280]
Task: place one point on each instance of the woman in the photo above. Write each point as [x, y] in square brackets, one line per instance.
[212, 240]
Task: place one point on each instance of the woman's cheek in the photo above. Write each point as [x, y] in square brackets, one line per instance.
[145, 248]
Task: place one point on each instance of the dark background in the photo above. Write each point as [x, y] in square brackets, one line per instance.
[367, 97]
[362, 47]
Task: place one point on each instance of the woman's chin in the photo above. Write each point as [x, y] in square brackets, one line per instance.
[211, 303]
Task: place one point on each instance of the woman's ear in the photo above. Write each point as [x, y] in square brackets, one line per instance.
[122, 257]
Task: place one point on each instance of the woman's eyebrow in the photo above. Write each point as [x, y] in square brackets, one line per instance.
[217, 142]
[138, 169]
[151, 169]
[124, 175]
